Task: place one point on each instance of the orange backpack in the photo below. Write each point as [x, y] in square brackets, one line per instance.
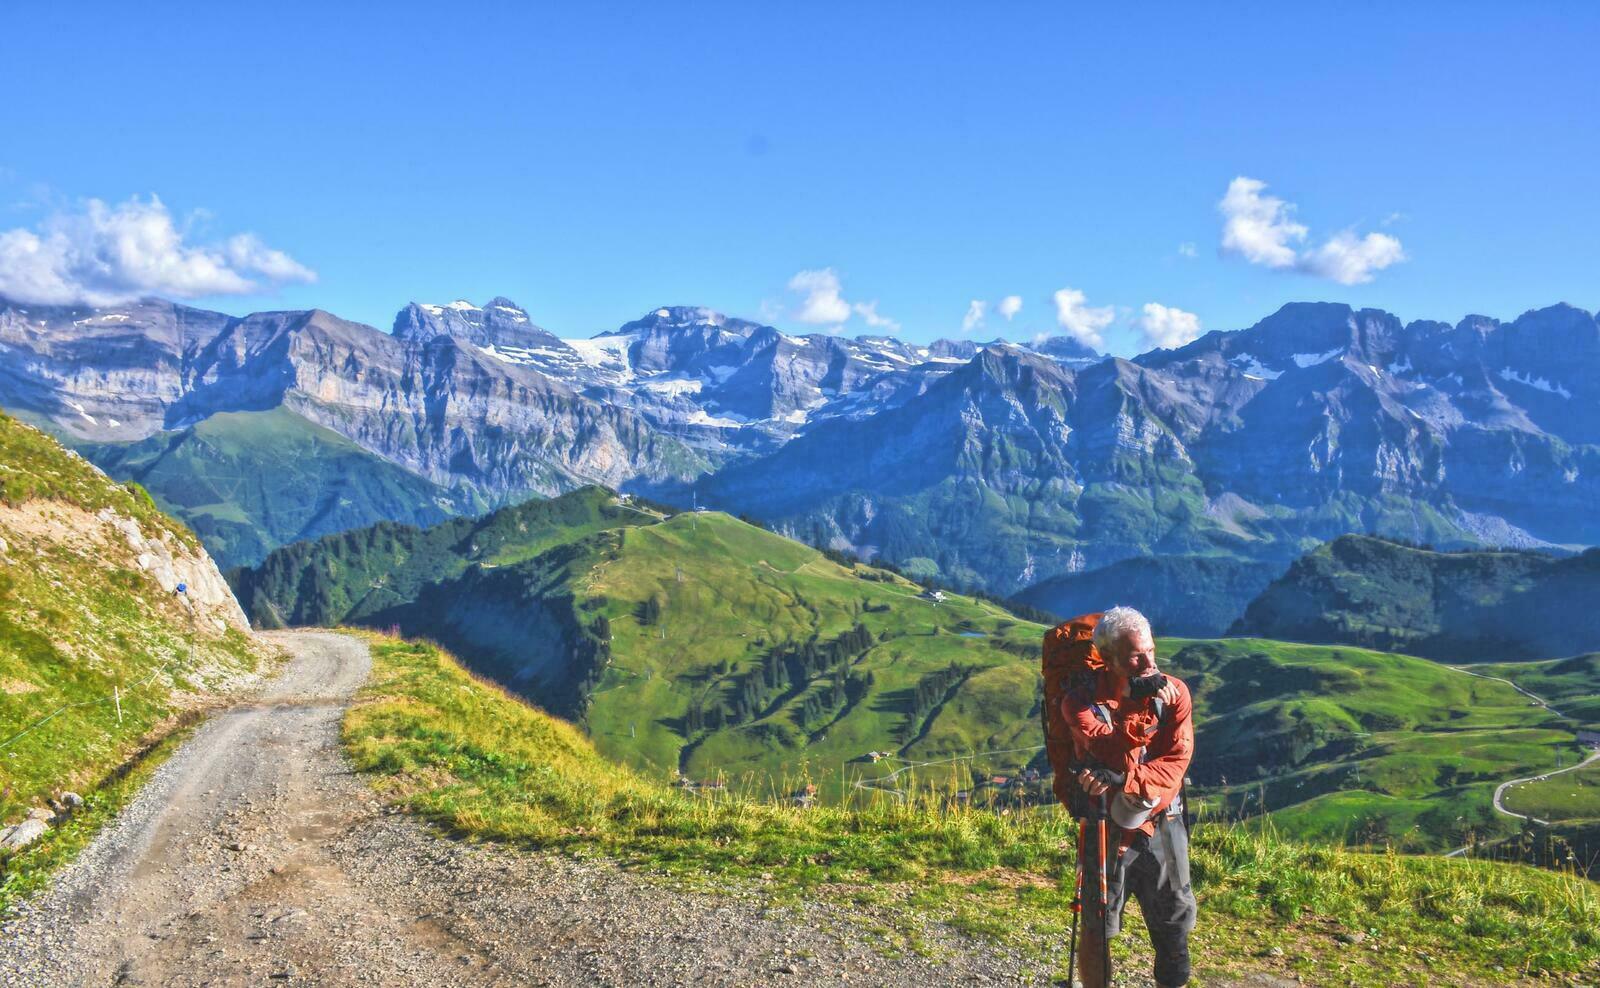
[1069, 663]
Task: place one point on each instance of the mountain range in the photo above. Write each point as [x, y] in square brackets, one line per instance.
[992, 465]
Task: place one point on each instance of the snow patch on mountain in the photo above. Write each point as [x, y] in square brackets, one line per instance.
[517, 315]
[672, 387]
[1253, 368]
[1539, 383]
[727, 420]
[1313, 359]
[609, 353]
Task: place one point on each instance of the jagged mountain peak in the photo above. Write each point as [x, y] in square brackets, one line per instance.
[499, 322]
[679, 319]
[1008, 364]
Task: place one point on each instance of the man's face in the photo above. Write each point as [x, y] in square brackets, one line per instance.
[1134, 655]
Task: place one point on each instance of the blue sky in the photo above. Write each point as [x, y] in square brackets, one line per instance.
[595, 161]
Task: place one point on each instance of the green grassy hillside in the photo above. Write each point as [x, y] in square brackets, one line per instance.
[710, 622]
[1360, 746]
[87, 607]
[700, 644]
[1569, 801]
[478, 763]
[1571, 685]
[248, 482]
[1455, 606]
[695, 641]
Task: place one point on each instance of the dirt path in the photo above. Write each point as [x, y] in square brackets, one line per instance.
[255, 857]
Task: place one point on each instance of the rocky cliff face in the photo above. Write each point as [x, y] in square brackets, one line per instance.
[1493, 426]
[993, 464]
[431, 400]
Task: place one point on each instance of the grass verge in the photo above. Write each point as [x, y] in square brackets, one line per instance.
[479, 763]
[27, 871]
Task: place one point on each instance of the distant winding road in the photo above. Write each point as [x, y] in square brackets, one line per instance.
[1500, 790]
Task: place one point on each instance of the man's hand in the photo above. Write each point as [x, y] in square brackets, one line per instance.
[1099, 781]
[1169, 692]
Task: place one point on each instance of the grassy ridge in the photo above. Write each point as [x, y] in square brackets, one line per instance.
[1571, 685]
[352, 577]
[1481, 606]
[34, 467]
[478, 762]
[728, 593]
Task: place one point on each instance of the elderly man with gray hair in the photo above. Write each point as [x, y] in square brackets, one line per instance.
[1132, 737]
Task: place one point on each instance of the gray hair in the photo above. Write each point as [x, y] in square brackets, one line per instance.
[1117, 622]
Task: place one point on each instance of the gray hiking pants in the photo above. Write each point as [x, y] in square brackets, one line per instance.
[1156, 870]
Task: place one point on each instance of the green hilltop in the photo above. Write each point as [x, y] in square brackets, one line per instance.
[1469, 606]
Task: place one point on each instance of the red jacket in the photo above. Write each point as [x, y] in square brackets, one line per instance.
[1153, 754]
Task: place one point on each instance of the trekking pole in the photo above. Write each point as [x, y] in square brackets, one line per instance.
[1077, 901]
[1105, 912]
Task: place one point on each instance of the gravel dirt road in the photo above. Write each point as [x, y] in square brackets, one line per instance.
[255, 857]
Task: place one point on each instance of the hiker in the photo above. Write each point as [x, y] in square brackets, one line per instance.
[1120, 736]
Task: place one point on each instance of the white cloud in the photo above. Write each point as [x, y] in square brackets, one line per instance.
[1009, 306]
[976, 310]
[1084, 322]
[1164, 326]
[103, 255]
[1259, 228]
[1187, 249]
[822, 304]
[246, 252]
[868, 311]
[1351, 260]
